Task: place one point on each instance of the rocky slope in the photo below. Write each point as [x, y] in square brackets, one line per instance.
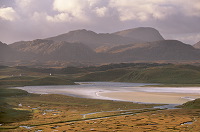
[48, 50]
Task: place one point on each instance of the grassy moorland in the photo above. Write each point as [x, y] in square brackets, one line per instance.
[21, 111]
[168, 74]
[19, 108]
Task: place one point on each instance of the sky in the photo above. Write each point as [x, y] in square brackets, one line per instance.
[37, 19]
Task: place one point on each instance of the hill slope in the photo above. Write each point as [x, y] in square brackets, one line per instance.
[147, 73]
[7, 53]
[48, 50]
[173, 75]
[159, 50]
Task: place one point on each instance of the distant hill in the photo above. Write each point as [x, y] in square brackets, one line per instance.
[197, 45]
[158, 50]
[145, 34]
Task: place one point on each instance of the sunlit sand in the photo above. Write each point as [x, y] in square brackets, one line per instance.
[151, 97]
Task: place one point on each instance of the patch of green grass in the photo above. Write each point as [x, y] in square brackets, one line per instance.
[195, 104]
[18, 78]
[51, 81]
[27, 81]
[166, 75]
[7, 92]
[109, 75]
[9, 115]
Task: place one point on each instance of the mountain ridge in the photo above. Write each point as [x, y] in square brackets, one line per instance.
[92, 39]
[87, 47]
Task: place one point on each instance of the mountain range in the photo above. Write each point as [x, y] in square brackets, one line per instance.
[84, 47]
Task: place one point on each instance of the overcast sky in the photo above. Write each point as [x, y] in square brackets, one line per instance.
[32, 19]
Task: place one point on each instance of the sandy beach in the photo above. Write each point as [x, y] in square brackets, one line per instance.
[121, 91]
[151, 97]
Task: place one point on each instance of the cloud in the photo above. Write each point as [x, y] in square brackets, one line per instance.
[187, 38]
[71, 8]
[154, 9]
[141, 10]
[62, 17]
[8, 13]
[101, 12]
[188, 7]
[24, 3]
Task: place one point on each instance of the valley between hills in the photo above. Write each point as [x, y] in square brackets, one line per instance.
[139, 55]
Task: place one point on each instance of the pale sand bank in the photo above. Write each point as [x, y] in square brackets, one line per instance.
[151, 97]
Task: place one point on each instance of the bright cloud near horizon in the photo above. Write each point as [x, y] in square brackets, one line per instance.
[33, 19]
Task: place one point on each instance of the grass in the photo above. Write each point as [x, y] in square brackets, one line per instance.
[108, 75]
[166, 75]
[35, 81]
[51, 81]
[7, 113]
[195, 104]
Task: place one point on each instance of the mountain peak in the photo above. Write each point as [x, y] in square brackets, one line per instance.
[197, 45]
[81, 32]
[146, 34]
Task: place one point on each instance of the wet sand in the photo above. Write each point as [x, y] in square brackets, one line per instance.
[151, 97]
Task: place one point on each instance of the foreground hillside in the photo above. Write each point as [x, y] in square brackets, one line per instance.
[21, 111]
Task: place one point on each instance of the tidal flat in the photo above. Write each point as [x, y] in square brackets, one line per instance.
[132, 92]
